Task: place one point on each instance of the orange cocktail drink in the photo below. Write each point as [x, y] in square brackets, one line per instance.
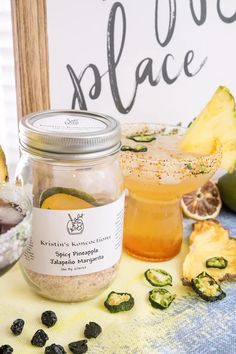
[155, 180]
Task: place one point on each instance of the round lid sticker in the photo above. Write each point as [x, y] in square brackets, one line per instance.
[68, 123]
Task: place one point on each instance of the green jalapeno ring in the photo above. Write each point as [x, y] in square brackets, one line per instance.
[136, 148]
[161, 298]
[158, 277]
[207, 288]
[144, 138]
[216, 262]
[117, 302]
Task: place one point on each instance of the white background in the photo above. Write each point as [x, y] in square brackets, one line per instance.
[77, 32]
[8, 112]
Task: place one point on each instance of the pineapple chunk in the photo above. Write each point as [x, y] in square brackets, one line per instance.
[3, 167]
[217, 122]
[209, 239]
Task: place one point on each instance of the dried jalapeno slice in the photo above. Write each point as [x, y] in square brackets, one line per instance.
[216, 262]
[142, 138]
[207, 288]
[158, 277]
[136, 148]
[160, 298]
[117, 302]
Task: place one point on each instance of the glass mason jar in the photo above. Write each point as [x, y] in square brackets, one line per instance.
[70, 166]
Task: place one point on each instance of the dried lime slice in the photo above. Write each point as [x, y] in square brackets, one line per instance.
[203, 203]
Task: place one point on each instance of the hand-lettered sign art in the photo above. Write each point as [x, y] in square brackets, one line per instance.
[140, 60]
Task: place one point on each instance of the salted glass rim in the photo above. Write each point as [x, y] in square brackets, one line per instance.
[10, 187]
[216, 155]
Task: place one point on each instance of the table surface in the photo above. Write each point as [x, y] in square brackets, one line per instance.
[190, 325]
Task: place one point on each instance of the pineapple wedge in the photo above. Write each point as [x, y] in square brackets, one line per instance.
[217, 122]
[3, 167]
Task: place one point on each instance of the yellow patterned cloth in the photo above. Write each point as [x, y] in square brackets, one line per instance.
[18, 301]
[190, 325]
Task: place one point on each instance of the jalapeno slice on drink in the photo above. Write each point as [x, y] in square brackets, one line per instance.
[136, 148]
[144, 138]
[158, 277]
[216, 262]
[207, 288]
[161, 298]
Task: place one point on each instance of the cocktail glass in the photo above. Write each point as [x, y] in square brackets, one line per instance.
[14, 239]
[155, 181]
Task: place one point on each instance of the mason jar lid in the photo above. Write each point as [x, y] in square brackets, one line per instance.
[70, 134]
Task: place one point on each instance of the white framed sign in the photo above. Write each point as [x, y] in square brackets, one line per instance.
[137, 60]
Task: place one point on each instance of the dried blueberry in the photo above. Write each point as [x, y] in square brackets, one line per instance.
[17, 326]
[78, 347]
[48, 318]
[92, 330]
[39, 338]
[6, 349]
[54, 349]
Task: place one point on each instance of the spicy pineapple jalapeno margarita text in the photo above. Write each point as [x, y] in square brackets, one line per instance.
[156, 179]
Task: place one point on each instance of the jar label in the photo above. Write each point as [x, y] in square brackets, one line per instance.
[65, 123]
[75, 242]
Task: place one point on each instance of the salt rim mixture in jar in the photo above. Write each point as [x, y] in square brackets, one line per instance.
[70, 166]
